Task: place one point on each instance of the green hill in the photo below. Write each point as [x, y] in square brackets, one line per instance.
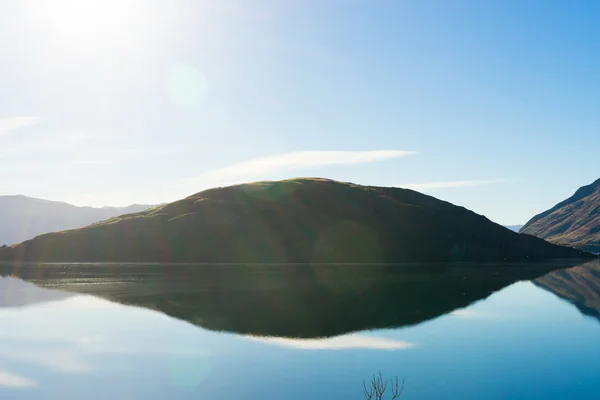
[300, 220]
[574, 222]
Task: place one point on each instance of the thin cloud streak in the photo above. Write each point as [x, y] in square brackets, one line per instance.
[8, 125]
[259, 167]
[450, 184]
[272, 167]
[8, 380]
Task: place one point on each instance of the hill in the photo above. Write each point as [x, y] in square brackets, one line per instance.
[298, 221]
[23, 217]
[574, 222]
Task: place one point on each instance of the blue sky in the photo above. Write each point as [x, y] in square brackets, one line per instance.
[490, 105]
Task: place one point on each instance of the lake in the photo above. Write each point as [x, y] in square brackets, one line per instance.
[468, 331]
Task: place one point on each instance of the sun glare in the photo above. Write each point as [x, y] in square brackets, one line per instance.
[89, 20]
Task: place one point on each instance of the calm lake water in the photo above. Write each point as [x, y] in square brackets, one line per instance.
[299, 332]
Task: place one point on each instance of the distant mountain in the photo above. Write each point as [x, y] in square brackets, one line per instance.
[514, 228]
[23, 217]
[574, 222]
[299, 220]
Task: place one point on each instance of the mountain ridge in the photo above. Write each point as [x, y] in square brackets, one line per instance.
[574, 222]
[24, 217]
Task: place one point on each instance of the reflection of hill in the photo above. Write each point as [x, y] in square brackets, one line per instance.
[16, 293]
[579, 285]
[294, 301]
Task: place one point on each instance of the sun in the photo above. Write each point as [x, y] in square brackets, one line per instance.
[88, 20]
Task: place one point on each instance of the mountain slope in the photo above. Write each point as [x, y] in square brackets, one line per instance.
[573, 222]
[23, 217]
[300, 220]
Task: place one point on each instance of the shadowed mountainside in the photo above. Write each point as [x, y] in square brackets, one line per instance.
[22, 217]
[579, 285]
[290, 300]
[574, 222]
[300, 220]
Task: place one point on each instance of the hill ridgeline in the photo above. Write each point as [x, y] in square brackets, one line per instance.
[293, 221]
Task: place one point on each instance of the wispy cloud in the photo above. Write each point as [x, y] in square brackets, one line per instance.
[275, 167]
[8, 380]
[352, 341]
[294, 161]
[8, 125]
[450, 184]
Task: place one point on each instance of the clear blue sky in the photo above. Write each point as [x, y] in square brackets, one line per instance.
[114, 102]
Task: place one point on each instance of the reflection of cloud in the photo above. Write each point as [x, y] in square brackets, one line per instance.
[57, 360]
[258, 167]
[450, 184]
[466, 313]
[89, 302]
[10, 124]
[8, 380]
[60, 337]
[353, 341]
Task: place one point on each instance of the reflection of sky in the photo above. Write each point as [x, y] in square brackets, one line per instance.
[521, 342]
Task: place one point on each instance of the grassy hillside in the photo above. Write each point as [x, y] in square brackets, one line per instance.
[574, 222]
[300, 220]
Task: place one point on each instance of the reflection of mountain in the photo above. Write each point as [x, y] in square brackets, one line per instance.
[293, 300]
[579, 285]
[16, 293]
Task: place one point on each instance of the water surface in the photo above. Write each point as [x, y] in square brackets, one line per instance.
[298, 332]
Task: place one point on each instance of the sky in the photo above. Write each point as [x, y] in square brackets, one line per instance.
[491, 105]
